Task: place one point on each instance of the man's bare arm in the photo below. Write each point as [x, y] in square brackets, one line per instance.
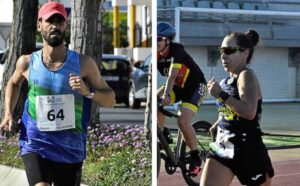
[13, 90]
[104, 95]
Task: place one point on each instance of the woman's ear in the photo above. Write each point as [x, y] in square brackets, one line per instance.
[247, 51]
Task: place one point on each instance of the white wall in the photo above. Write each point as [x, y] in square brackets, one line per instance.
[6, 11]
[277, 79]
[6, 16]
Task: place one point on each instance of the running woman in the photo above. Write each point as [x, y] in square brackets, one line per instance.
[238, 148]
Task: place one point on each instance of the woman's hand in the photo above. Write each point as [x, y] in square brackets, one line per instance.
[213, 131]
[214, 88]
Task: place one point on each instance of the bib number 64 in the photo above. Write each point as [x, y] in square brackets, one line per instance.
[52, 116]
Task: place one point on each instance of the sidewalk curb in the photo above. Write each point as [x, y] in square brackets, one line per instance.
[11, 176]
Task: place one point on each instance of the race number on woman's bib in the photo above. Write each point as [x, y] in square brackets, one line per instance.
[222, 146]
[55, 112]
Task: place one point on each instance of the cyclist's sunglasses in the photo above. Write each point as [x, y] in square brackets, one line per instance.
[230, 50]
[159, 39]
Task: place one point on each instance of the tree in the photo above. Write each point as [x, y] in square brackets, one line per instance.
[107, 30]
[22, 41]
[148, 113]
[86, 34]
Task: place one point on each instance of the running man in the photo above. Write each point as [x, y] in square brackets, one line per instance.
[62, 85]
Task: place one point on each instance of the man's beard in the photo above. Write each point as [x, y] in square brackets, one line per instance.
[54, 41]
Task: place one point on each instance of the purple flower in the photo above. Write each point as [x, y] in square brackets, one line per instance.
[2, 137]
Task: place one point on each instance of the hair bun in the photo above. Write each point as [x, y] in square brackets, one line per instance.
[252, 36]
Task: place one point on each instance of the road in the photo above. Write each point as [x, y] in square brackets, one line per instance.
[122, 115]
[285, 163]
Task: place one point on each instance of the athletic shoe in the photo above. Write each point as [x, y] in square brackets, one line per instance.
[195, 163]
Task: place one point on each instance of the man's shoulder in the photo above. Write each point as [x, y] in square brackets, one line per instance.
[82, 57]
[23, 62]
[85, 58]
[25, 58]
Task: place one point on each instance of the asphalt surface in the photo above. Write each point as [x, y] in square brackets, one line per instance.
[122, 115]
[286, 164]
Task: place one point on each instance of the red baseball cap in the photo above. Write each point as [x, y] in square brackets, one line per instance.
[50, 8]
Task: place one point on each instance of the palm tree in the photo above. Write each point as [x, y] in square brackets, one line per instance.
[22, 41]
[86, 34]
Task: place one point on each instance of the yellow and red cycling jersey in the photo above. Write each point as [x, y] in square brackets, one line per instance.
[189, 75]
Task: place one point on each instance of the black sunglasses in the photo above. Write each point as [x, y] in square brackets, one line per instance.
[159, 39]
[230, 50]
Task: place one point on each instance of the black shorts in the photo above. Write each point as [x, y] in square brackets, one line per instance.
[250, 166]
[191, 98]
[39, 169]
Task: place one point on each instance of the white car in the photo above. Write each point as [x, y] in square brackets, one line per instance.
[139, 83]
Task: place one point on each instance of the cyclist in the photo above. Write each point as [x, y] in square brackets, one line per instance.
[185, 82]
[238, 148]
[57, 110]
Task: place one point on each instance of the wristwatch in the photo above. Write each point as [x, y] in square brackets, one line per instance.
[223, 96]
[91, 95]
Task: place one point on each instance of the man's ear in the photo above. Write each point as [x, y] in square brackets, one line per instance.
[168, 41]
[39, 25]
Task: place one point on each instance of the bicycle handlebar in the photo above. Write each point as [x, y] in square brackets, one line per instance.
[164, 111]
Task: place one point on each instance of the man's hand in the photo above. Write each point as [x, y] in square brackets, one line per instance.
[7, 123]
[76, 83]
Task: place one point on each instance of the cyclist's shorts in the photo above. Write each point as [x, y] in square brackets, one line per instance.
[250, 166]
[191, 98]
[39, 169]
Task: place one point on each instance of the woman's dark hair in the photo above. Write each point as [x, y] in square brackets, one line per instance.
[249, 40]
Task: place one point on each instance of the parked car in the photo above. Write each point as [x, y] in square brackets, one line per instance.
[115, 71]
[139, 83]
[4, 53]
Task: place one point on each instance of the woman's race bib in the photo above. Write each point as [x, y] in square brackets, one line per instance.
[222, 146]
[55, 112]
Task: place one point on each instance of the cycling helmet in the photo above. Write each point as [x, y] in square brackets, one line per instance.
[164, 29]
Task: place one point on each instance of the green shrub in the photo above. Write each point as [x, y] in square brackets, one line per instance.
[116, 155]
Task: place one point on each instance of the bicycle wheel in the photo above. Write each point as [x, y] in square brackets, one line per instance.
[203, 138]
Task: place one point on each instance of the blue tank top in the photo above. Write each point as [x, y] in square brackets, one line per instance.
[66, 146]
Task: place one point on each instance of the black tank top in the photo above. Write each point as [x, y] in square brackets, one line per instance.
[231, 120]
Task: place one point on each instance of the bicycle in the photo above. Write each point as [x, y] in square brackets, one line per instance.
[180, 157]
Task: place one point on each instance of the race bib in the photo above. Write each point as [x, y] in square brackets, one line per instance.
[222, 146]
[55, 112]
